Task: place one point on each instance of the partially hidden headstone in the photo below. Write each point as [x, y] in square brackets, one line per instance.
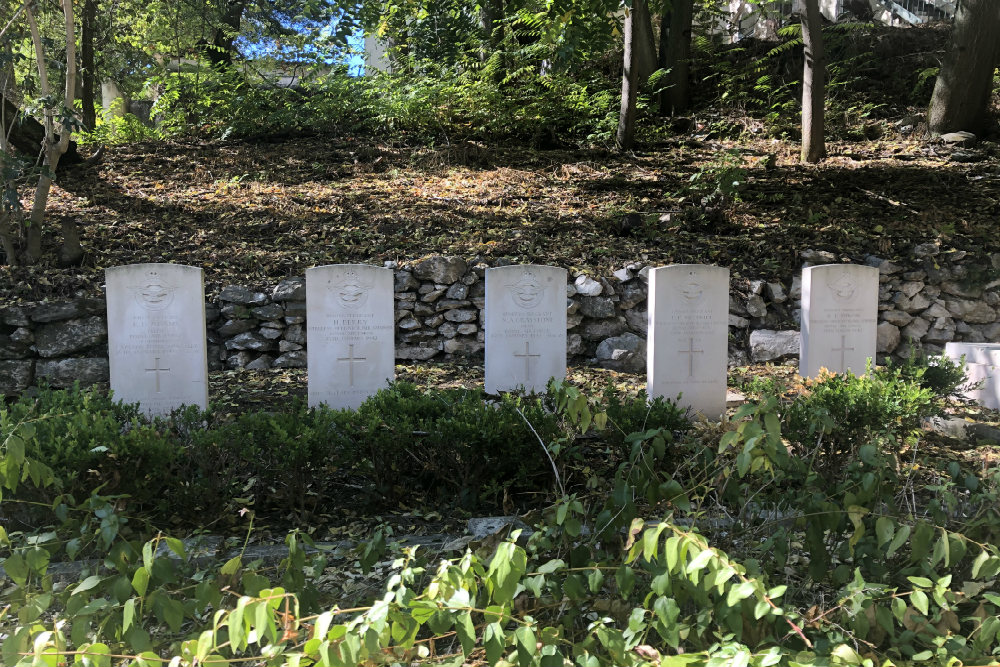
[157, 349]
[839, 318]
[525, 327]
[350, 333]
[982, 370]
[687, 343]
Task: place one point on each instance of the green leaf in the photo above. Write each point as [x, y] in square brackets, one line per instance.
[625, 578]
[884, 529]
[466, 632]
[128, 614]
[16, 568]
[699, 561]
[739, 592]
[922, 582]
[90, 582]
[898, 540]
[595, 580]
[140, 581]
[525, 642]
[919, 600]
[231, 566]
[493, 642]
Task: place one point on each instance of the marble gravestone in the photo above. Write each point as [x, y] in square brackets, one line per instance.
[350, 333]
[687, 342]
[525, 327]
[839, 318]
[157, 349]
[982, 370]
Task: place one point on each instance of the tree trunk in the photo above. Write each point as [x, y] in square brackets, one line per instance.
[813, 84]
[626, 117]
[965, 83]
[27, 134]
[87, 72]
[676, 95]
[645, 46]
[221, 51]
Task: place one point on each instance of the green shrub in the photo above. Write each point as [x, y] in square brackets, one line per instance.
[627, 416]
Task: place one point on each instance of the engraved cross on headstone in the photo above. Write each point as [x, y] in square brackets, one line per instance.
[156, 369]
[527, 358]
[843, 348]
[351, 360]
[691, 352]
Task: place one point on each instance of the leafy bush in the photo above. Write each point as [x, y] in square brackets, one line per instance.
[628, 416]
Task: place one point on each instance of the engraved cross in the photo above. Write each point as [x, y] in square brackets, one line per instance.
[351, 360]
[691, 352]
[156, 369]
[843, 348]
[527, 358]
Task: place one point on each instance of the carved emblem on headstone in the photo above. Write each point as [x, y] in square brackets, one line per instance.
[842, 285]
[527, 292]
[351, 292]
[690, 289]
[153, 293]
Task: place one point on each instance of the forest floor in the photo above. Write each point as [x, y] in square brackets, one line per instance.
[254, 212]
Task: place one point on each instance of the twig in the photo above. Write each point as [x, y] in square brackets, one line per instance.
[555, 471]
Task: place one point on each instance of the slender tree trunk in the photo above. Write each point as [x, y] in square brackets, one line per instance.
[626, 117]
[813, 84]
[87, 72]
[666, 12]
[965, 83]
[645, 46]
[676, 95]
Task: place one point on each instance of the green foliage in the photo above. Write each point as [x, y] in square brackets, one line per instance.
[719, 181]
[943, 377]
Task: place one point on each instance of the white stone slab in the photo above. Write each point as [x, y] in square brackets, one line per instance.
[350, 333]
[687, 342]
[982, 369]
[525, 327]
[839, 318]
[157, 349]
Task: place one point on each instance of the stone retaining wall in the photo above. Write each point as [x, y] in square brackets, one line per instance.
[935, 298]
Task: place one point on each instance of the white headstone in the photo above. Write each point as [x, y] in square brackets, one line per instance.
[839, 318]
[350, 333]
[687, 344]
[982, 369]
[157, 348]
[525, 327]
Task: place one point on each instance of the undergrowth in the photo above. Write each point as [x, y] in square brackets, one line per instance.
[777, 541]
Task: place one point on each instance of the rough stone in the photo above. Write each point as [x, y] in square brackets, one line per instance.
[415, 352]
[449, 304]
[460, 315]
[975, 312]
[421, 309]
[768, 345]
[12, 349]
[888, 268]
[15, 376]
[795, 292]
[957, 289]
[467, 329]
[937, 310]
[573, 320]
[249, 340]
[463, 346]
[239, 359]
[926, 250]
[756, 306]
[457, 292]
[418, 336]
[290, 289]
[234, 311]
[624, 275]
[441, 269]
[64, 372]
[911, 288]
[237, 294]
[434, 321]
[960, 138]
[261, 363]
[916, 330]
[776, 293]
[887, 337]
[408, 324]
[234, 327]
[738, 322]
[405, 282]
[632, 294]
[14, 316]
[757, 287]
[65, 310]
[270, 333]
[601, 329]
[291, 359]
[63, 338]
[432, 295]
[596, 306]
[574, 344]
[897, 317]
[587, 286]
[626, 353]
[285, 346]
[448, 330]
[818, 256]
[22, 335]
[295, 334]
[271, 311]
